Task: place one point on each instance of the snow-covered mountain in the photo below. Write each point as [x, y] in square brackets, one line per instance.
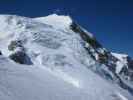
[54, 58]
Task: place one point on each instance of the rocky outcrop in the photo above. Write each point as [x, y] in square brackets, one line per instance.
[14, 44]
[0, 53]
[19, 53]
[130, 62]
[92, 41]
[20, 57]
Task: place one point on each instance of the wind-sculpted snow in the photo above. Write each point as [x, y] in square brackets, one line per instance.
[64, 60]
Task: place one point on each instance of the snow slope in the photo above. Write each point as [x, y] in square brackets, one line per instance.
[21, 82]
[61, 67]
[32, 83]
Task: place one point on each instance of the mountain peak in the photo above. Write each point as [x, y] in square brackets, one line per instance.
[59, 44]
[59, 21]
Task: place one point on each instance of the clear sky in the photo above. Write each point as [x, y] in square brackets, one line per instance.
[111, 21]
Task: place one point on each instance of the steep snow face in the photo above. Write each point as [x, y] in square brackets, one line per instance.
[61, 55]
[124, 64]
[122, 61]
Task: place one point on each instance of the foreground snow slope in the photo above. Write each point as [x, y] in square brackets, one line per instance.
[32, 83]
[21, 82]
[62, 62]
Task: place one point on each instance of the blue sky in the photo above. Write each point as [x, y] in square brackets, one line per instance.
[111, 21]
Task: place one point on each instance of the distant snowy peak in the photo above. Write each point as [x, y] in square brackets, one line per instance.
[121, 57]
